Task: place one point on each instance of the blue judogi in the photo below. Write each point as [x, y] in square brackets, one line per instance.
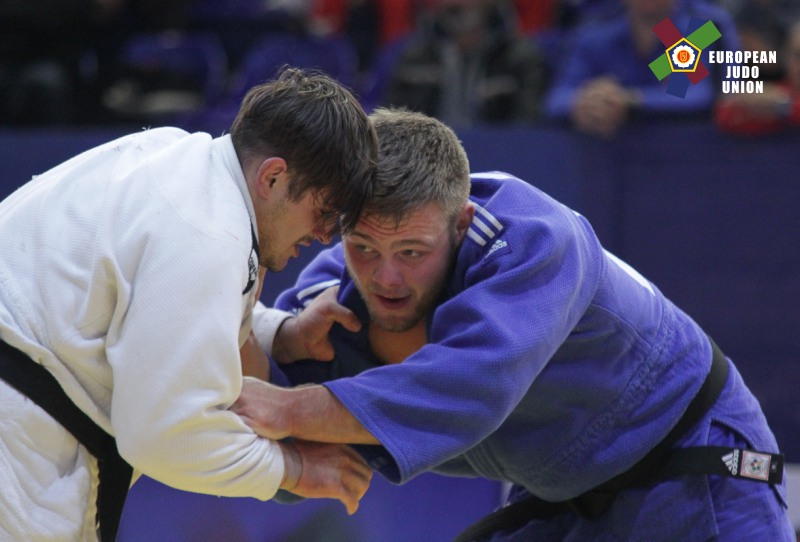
[553, 365]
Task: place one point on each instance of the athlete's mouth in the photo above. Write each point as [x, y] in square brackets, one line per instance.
[393, 302]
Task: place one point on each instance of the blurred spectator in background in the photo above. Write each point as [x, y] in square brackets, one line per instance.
[369, 24]
[466, 63]
[57, 56]
[45, 59]
[544, 15]
[125, 76]
[777, 108]
[535, 17]
[762, 26]
[605, 78]
[155, 15]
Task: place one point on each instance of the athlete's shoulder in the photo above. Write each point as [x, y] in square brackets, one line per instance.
[502, 202]
[498, 191]
[511, 213]
[165, 135]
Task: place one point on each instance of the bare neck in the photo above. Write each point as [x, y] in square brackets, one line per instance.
[394, 347]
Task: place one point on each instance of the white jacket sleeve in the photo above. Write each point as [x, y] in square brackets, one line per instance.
[266, 322]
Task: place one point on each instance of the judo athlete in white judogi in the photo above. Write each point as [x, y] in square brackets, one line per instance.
[128, 276]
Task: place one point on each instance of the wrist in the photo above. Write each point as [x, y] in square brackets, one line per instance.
[283, 338]
[302, 412]
[292, 466]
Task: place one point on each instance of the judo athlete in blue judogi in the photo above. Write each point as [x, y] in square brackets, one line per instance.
[485, 332]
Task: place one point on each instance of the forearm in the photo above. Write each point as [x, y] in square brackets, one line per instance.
[282, 343]
[254, 360]
[310, 413]
[314, 413]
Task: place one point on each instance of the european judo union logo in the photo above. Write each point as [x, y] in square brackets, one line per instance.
[682, 56]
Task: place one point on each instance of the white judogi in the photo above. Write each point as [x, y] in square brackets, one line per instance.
[123, 272]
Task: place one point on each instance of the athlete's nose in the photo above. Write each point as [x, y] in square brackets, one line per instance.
[387, 276]
[323, 234]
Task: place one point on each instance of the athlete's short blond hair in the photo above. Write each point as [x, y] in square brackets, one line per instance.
[420, 161]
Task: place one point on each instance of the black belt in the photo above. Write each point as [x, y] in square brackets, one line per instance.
[661, 463]
[36, 382]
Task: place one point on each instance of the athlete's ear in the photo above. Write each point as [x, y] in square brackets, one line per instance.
[464, 220]
[269, 175]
